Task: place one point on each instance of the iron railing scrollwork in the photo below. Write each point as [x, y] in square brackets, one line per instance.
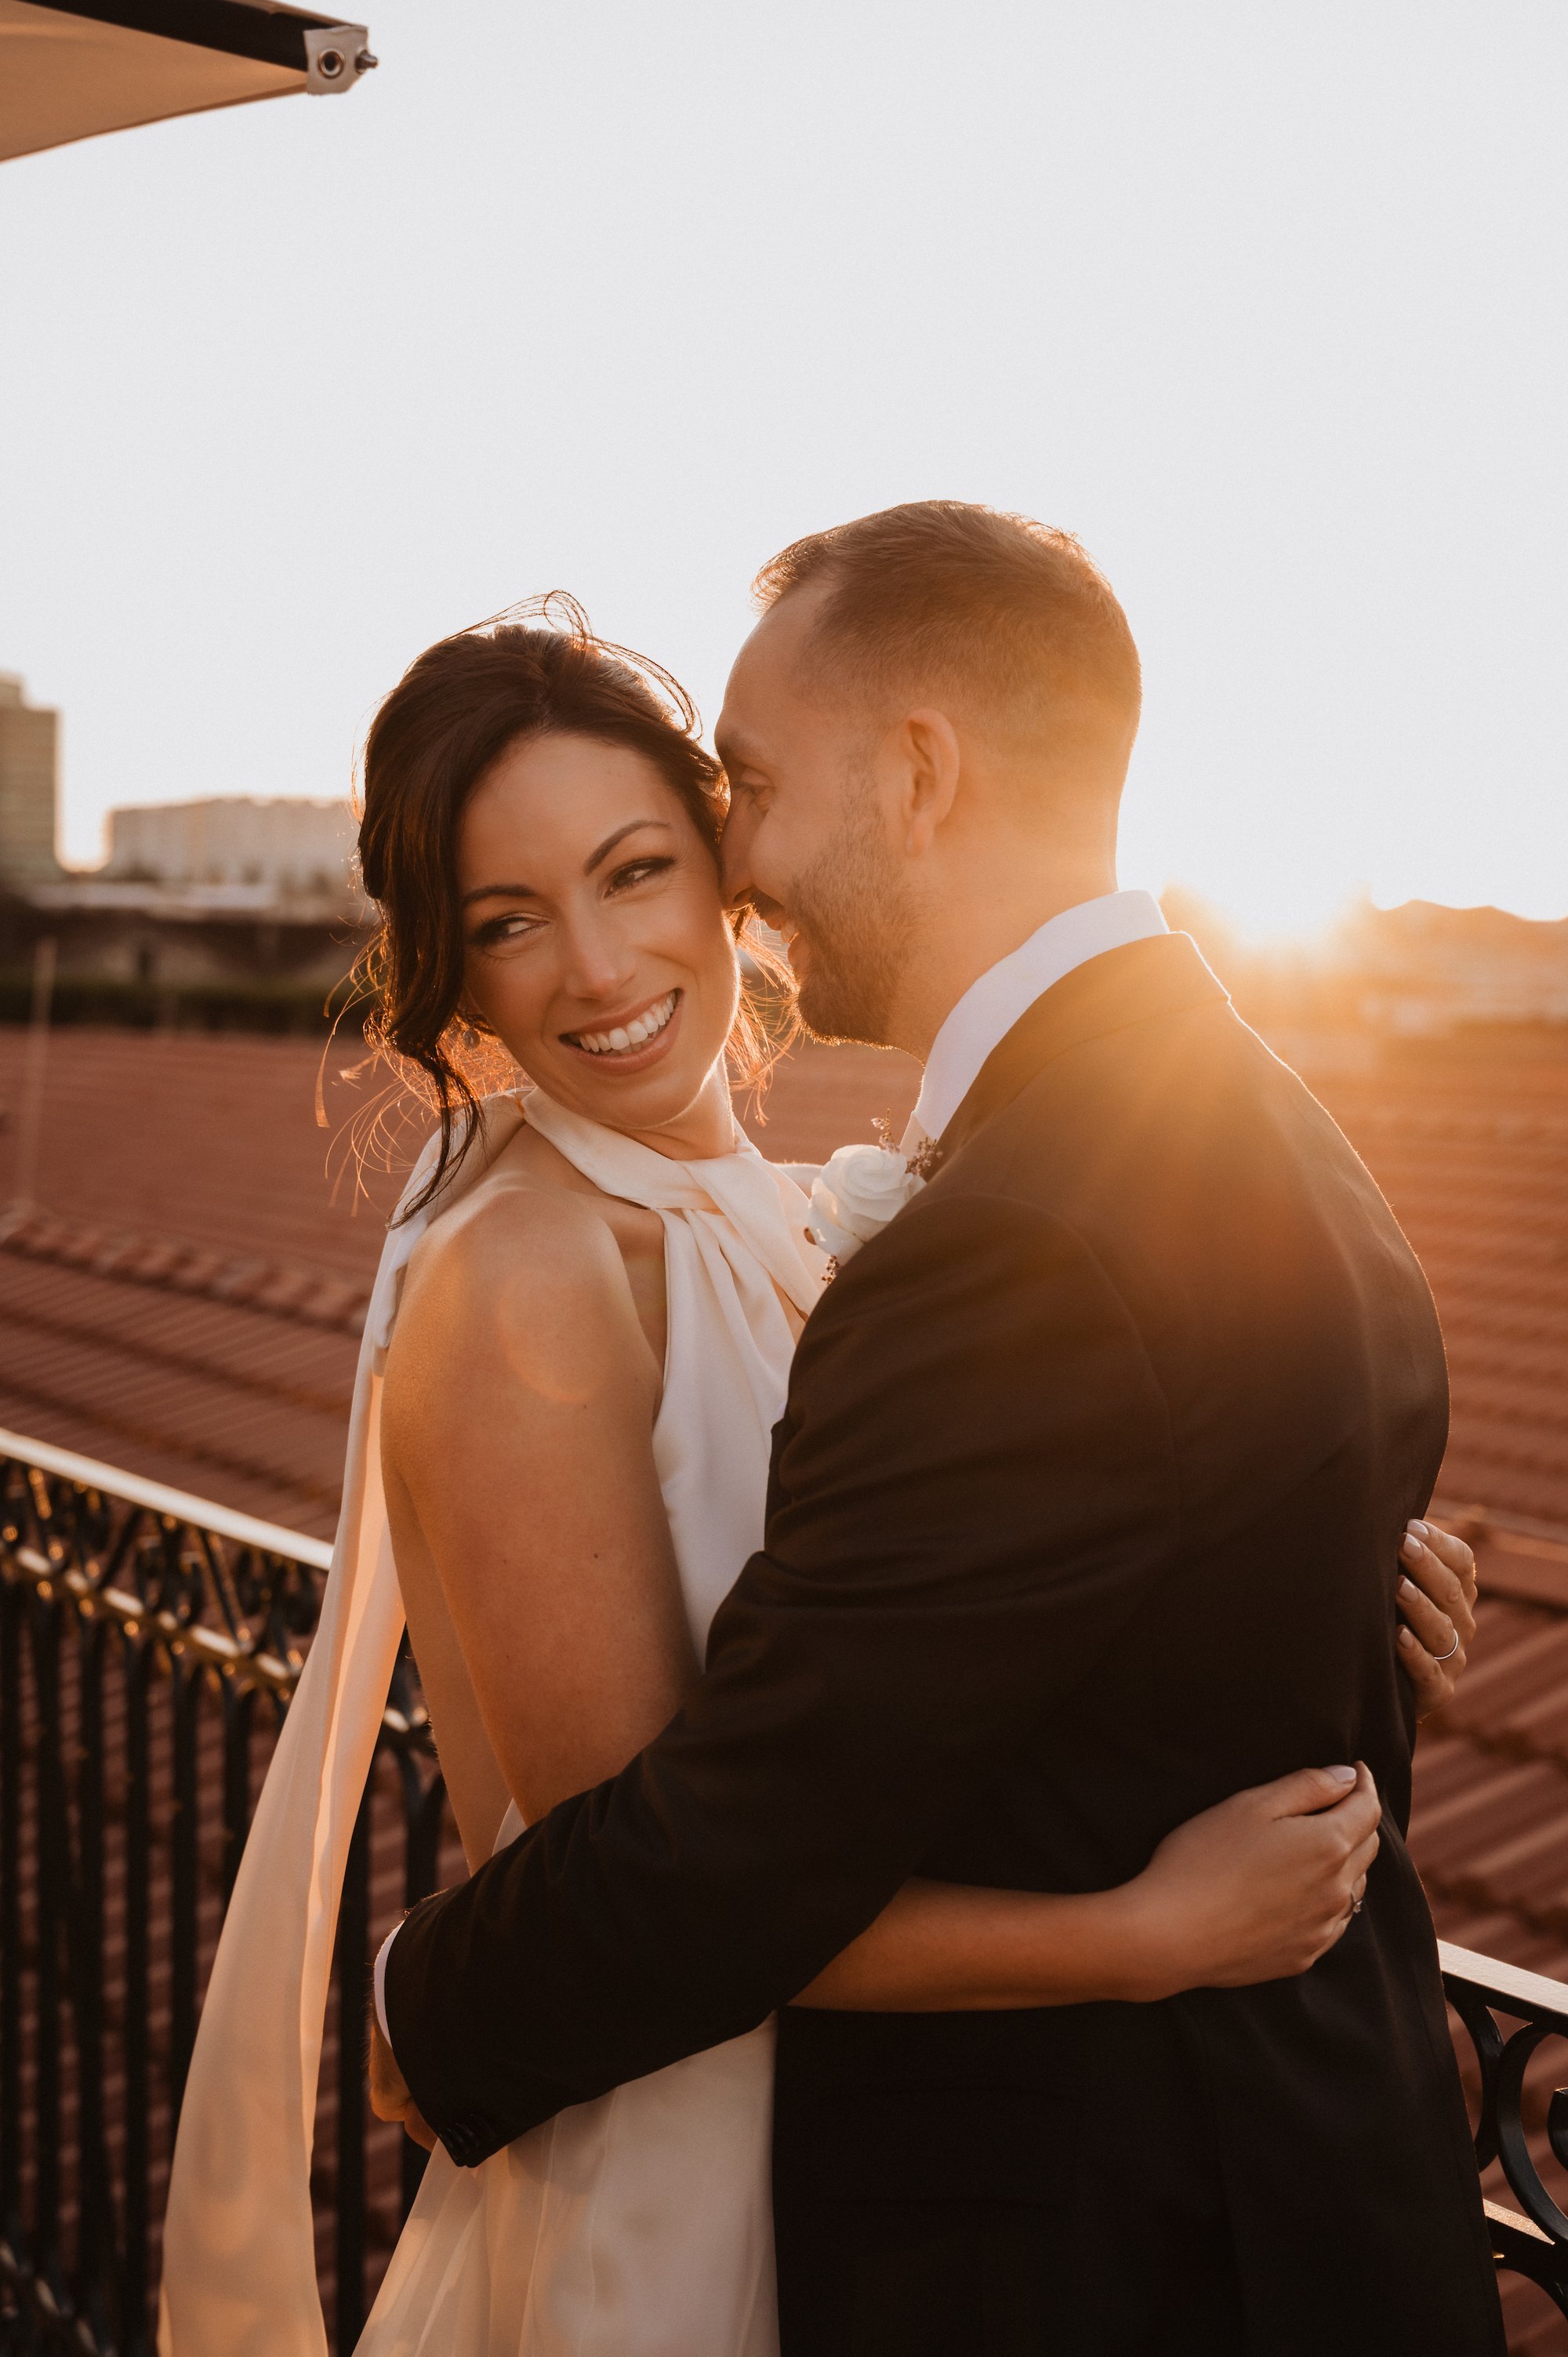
[1533, 2240]
[149, 1644]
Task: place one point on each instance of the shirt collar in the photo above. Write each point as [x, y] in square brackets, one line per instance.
[1004, 993]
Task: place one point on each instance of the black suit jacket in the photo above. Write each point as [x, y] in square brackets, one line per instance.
[1084, 1512]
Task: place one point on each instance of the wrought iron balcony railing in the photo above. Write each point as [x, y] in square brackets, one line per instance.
[1479, 1989]
[149, 1642]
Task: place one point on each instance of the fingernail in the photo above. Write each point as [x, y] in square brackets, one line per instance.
[1340, 1775]
[1408, 1587]
[1419, 1528]
[1407, 1638]
[1411, 1549]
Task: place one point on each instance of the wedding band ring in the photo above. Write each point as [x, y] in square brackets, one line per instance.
[1452, 1648]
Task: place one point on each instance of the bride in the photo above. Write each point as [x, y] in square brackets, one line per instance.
[577, 1347]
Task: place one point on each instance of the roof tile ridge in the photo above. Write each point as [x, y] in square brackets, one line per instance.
[1470, 1518]
[288, 1290]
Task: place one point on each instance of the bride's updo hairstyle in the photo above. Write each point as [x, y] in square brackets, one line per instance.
[535, 671]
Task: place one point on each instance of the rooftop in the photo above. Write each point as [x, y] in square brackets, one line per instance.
[205, 1237]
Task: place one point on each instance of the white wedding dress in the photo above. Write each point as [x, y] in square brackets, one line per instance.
[638, 2225]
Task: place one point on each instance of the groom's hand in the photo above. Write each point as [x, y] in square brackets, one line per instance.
[390, 2098]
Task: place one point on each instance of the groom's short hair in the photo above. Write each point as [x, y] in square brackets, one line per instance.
[1010, 614]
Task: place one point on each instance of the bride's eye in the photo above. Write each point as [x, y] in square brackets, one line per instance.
[496, 931]
[638, 871]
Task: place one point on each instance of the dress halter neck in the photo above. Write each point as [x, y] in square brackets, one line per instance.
[759, 1202]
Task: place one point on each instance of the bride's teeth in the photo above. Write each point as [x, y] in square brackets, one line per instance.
[631, 1035]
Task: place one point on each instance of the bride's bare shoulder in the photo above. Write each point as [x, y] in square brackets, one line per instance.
[528, 1251]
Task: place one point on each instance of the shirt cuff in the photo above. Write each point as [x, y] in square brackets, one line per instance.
[380, 1982]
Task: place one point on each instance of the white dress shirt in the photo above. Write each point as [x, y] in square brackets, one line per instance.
[979, 1022]
[1006, 992]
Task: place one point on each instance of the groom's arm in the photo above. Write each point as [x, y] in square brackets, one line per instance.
[976, 1486]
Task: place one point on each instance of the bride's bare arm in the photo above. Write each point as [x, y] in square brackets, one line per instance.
[1250, 1890]
[531, 1535]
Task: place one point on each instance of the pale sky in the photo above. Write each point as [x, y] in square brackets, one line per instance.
[1265, 300]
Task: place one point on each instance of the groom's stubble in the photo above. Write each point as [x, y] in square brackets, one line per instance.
[853, 913]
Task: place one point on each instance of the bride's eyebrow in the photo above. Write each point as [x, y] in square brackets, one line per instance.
[595, 859]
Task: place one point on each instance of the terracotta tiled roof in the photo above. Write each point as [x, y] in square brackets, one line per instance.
[1480, 1186]
[230, 1401]
[1490, 1824]
[303, 1297]
[194, 1167]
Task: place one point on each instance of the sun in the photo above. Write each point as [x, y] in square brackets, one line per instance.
[1290, 915]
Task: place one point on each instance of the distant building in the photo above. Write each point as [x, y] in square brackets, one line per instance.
[29, 779]
[1420, 971]
[254, 899]
[288, 850]
[1423, 969]
[247, 900]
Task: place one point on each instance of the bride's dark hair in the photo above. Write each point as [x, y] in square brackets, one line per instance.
[535, 671]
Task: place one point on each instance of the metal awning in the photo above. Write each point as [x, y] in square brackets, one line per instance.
[104, 65]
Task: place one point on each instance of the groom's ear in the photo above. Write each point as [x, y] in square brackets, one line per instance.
[926, 751]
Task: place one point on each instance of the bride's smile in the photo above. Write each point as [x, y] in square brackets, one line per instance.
[626, 1039]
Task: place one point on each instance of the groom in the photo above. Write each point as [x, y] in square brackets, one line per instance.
[1082, 1515]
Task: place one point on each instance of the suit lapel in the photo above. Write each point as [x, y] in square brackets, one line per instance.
[1120, 986]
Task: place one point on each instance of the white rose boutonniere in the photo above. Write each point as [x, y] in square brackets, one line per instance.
[855, 1193]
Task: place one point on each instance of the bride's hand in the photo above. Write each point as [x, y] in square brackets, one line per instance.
[1437, 1612]
[1257, 1888]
